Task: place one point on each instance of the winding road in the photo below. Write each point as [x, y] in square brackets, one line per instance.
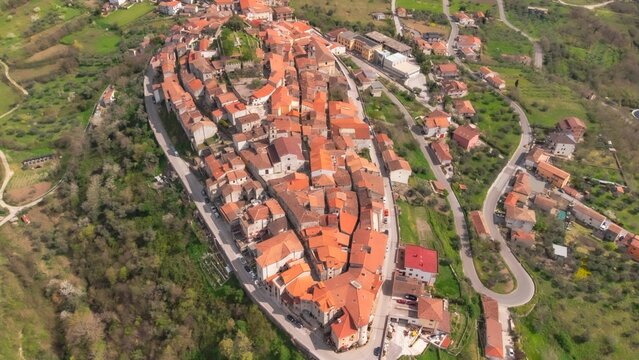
[538, 58]
[589, 6]
[15, 210]
[13, 82]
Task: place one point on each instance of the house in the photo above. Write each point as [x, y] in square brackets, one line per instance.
[384, 141]
[574, 126]
[494, 343]
[479, 224]
[535, 156]
[448, 70]
[518, 218]
[432, 37]
[455, 88]
[389, 43]
[169, 7]
[589, 217]
[442, 152]
[274, 253]
[554, 175]
[464, 108]
[283, 13]
[108, 97]
[545, 203]
[469, 42]
[466, 136]
[376, 89]
[117, 2]
[496, 82]
[378, 16]
[463, 19]
[433, 315]
[401, 12]
[523, 238]
[420, 263]
[436, 124]
[286, 155]
[561, 144]
[633, 247]
[440, 48]
[398, 169]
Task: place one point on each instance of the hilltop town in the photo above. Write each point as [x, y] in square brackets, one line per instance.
[258, 179]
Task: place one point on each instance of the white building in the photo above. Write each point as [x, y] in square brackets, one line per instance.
[420, 263]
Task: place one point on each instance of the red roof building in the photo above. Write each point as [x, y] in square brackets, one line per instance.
[466, 136]
[420, 263]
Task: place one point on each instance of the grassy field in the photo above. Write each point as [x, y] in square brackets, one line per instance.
[472, 6]
[434, 6]
[498, 122]
[125, 17]
[344, 11]
[35, 13]
[382, 109]
[8, 97]
[546, 102]
[413, 226]
[93, 40]
[498, 39]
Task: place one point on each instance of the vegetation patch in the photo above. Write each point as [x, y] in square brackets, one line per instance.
[124, 17]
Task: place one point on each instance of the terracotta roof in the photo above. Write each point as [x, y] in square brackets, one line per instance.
[433, 309]
[466, 132]
[442, 150]
[277, 248]
[417, 257]
[477, 218]
[553, 170]
[520, 214]
[447, 68]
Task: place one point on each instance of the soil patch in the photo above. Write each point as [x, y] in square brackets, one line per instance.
[25, 194]
[53, 53]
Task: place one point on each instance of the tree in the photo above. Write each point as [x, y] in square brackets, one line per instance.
[235, 23]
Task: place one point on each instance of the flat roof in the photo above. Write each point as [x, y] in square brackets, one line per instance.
[388, 41]
[366, 40]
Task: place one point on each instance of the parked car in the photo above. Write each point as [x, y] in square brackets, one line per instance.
[247, 268]
[377, 351]
[411, 302]
[410, 297]
[511, 352]
[401, 301]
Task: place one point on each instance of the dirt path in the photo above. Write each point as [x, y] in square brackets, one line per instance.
[13, 82]
[20, 352]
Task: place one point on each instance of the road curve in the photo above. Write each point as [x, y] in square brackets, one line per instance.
[538, 58]
[589, 6]
[525, 286]
[15, 210]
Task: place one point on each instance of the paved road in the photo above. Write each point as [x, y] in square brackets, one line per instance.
[589, 7]
[398, 25]
[311, 341]
[525, 288]
[15, 210]
[538, 58]
[454, 28]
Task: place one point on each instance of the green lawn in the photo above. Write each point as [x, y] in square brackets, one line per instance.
[93, 40]
[446, 284]
[125, 17]
[434, 6]
[8, 97]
